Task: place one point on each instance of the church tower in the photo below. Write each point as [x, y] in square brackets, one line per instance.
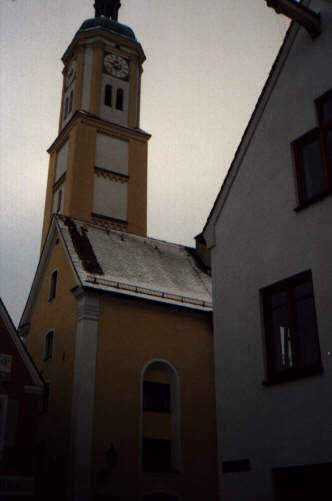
[118, 323]
[98, 162]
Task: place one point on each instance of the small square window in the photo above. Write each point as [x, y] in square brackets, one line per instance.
[156, 396]
[291, 329]
[53, 284]
[156, 454]
[49, 343]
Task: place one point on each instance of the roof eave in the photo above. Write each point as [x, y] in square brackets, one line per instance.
[160, 298]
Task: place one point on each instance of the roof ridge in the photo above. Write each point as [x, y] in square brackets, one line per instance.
[100, 226]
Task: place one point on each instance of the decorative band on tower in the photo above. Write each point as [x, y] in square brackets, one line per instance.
[107, 8]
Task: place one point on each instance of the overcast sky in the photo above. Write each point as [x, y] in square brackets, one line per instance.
[207, 61]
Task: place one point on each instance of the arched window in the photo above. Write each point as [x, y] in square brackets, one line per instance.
[160, 395]
[108, 95]
[49, 344]
[71, 102]
[119, 99]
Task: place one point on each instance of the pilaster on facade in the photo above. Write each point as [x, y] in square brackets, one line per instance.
[83, 396]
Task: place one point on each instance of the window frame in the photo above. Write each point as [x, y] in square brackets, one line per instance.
[299, 370]
[108, 96]
[49, 346]
[119, 99]
[53, 285]
[320, 131]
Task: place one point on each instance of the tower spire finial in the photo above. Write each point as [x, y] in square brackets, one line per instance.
[107, 8]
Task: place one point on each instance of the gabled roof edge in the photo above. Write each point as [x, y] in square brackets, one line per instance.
[208, 229]
[53, 229]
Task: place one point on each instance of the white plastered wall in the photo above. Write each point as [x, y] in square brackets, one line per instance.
[86, 90]
[111, 154]
[110, 197]
[61, 161]
[260, 240]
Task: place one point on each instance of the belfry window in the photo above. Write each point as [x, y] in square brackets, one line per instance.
[108, 95]
[119, 99]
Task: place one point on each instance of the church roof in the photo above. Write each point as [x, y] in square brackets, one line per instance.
[124, 263]
[108, 25]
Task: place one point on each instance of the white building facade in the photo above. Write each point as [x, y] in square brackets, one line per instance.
[271, 244]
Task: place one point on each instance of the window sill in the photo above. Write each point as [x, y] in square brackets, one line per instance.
[293, 375]
[313, 200]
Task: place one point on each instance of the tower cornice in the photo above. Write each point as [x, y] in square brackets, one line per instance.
[99, 36]
[103, 126]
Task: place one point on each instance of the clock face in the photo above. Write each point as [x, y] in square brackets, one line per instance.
[71, 73]
[116, 65]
